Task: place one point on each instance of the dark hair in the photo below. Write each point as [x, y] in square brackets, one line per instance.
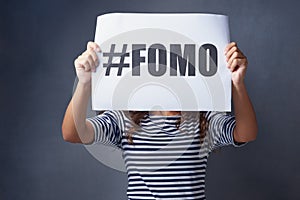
[137, 116]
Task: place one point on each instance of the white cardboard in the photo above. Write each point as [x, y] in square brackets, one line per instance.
[146, 92]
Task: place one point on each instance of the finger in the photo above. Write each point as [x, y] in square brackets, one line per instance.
[95, 57]
[237, 63]
[232, 57]
[92, 64]
[233, 65]
[236, 55]
[96, 60]
[89, 55]
[231, 51]
[77, 64]
[85, 64]
[93, 46]
[229, 46]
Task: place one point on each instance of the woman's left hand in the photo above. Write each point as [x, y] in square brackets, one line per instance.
[236, 62]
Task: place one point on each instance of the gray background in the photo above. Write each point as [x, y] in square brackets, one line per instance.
[38, 43]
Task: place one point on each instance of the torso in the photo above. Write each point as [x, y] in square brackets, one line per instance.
[164, 162]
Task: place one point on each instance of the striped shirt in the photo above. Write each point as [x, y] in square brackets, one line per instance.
[164, 161]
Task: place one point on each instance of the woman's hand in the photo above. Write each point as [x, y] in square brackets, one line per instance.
[236, 62]
[87, 63]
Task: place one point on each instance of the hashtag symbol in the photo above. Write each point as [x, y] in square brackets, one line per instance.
[112, 54]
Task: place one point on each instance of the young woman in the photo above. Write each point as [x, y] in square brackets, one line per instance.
[165, 152]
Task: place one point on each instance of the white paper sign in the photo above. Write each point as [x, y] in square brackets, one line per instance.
[162, 62]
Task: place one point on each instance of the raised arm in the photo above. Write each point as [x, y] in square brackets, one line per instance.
[246, 124]
[75, 127]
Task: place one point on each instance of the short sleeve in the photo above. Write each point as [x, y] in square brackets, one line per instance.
[108, 128]
[220, 129]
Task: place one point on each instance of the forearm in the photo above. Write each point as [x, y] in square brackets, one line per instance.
[69, 131]
[74, 126]
[79, 108]
[246, 125]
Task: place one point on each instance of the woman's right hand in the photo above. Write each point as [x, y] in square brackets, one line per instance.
[87, 63]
